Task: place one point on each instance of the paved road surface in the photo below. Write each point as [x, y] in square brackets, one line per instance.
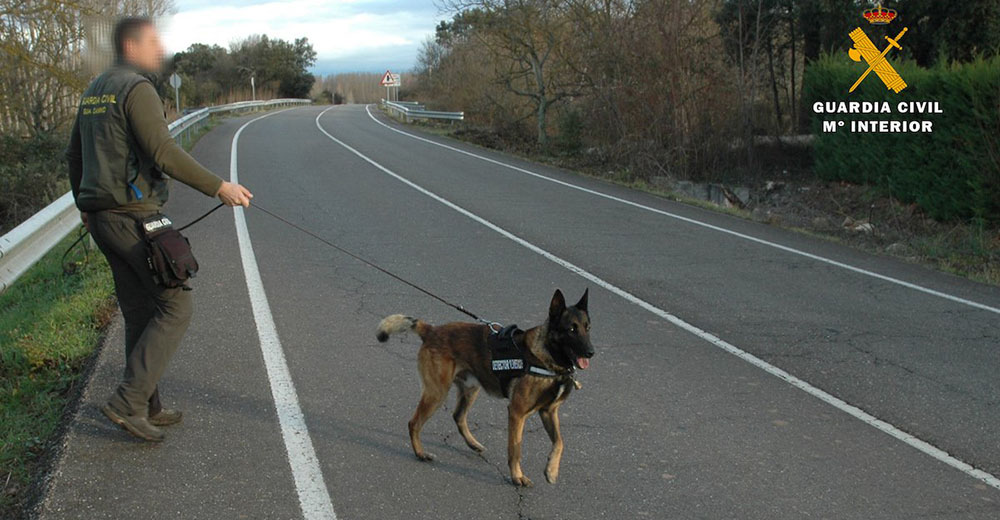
[667, 425]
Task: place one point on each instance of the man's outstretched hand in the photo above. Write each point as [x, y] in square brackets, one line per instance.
[234, 195]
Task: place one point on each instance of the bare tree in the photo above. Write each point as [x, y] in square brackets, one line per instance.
[529, 44]
[750, 23]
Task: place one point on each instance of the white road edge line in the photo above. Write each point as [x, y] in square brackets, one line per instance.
[852, 410]
[314, 497]
[702, 224]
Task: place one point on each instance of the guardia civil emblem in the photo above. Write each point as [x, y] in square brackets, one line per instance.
[876, 60]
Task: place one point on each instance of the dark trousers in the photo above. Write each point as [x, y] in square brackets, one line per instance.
[156, 318]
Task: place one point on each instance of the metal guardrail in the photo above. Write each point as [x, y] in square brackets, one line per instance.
[413, 110]
[27, 243]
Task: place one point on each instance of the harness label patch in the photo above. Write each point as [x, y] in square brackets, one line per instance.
[508, 364]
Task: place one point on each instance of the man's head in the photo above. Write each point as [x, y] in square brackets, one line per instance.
[137, 42]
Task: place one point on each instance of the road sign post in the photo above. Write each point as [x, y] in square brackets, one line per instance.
[390, 80]
[175, 81]
[396, 83]
[386, 79]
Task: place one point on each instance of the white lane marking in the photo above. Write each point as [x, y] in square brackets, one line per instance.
[703, 224]
[314, 497]
[852, 410]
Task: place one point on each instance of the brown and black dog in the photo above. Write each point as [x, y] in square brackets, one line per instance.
[458, 353]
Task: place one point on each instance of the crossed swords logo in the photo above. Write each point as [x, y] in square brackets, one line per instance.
[864, 48]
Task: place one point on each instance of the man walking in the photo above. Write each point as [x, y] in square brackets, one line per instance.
[120, 153]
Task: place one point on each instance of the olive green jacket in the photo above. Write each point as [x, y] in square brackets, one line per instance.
[120, 147]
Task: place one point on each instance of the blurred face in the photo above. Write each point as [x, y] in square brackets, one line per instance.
[145, 50]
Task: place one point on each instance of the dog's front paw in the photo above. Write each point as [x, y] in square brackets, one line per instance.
[551, 475]
[425, 456]
[522, 481]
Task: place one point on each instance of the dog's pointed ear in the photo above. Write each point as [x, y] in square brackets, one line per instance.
[557, 306]
[582, 304]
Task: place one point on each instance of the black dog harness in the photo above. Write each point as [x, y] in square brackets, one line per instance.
[507, 359]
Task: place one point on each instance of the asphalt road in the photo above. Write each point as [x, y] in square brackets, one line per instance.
[667, 425]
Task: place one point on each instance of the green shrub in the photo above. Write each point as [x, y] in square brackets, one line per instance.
[570, 130]
[952, 173]
[32, 174]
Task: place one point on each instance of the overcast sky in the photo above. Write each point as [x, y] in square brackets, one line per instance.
[348, 35]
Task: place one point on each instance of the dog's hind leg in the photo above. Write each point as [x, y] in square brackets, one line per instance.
[550, 419]
[466, 397]
[436, 374]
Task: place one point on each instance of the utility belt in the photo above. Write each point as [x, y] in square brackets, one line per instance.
[168, 252]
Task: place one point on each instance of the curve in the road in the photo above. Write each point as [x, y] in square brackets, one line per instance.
[824, 396]
[720, 229]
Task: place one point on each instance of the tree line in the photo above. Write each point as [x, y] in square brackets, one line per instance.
[677, 88]
[212, 74]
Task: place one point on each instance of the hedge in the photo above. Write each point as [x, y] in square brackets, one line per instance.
[32, 174]
[952, 173]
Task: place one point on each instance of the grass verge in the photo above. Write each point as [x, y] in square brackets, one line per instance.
[50, 323]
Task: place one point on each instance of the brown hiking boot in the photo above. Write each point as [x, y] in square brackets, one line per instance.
[166, 417]
[136, 425]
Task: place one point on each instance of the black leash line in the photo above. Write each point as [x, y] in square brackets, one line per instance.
[459, 308]
[70, 268]
[293, 225]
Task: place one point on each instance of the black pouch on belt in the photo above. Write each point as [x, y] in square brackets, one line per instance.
[169, 252]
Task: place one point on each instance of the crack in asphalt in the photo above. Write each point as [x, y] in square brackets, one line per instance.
[877, 360]
[497, 466]
[855, 343]
[521, 515]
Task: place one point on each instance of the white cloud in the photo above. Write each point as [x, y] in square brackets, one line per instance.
[343, 31]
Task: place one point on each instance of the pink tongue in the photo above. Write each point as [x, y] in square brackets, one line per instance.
[583, 363]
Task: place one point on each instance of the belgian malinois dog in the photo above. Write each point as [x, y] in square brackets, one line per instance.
[459, 353]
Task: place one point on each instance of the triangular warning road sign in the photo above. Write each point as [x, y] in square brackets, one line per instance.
[387, 78]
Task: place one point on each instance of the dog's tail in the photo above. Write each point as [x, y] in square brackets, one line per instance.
[398, 323]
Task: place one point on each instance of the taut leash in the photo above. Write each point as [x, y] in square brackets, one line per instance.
[459, 308]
